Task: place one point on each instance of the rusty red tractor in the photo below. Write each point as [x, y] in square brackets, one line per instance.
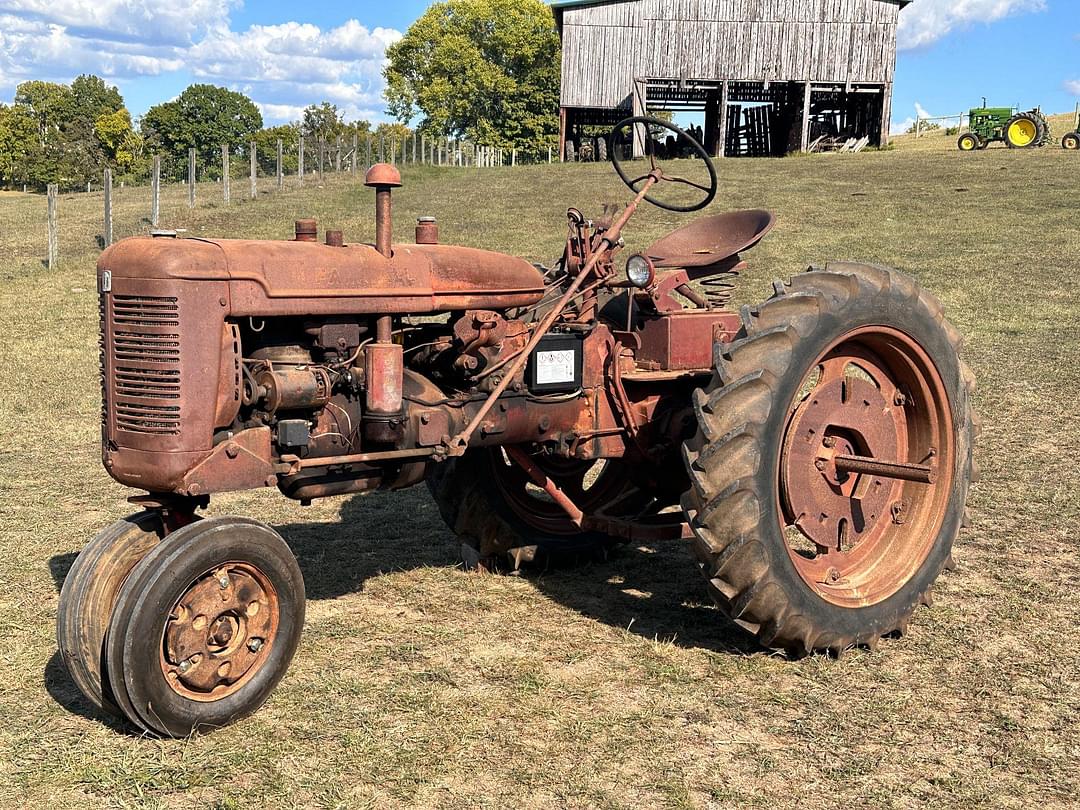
[815, 451]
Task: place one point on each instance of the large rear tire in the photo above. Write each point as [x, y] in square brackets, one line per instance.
[854, 360]
[1025, 131]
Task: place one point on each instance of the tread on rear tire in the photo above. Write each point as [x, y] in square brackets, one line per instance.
[734, 460]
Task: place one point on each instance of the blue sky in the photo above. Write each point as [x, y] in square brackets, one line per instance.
[286, 55]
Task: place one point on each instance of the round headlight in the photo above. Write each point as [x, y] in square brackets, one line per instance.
[640, 271]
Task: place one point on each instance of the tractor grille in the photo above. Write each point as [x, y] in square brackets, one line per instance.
[143, 347]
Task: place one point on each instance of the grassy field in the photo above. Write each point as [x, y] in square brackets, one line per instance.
[615, 684]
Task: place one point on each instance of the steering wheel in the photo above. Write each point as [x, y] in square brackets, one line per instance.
[650, 151]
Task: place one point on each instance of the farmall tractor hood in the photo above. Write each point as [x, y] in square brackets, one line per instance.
[268, 278]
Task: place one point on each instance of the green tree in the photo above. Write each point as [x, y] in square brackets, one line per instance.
[203, 117]
[50, 104]
[322, 121]
[121, 142]
[487, 70]
[266, 147]
[92, 98]
[18, 141]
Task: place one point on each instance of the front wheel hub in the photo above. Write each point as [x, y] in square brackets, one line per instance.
[220, 632]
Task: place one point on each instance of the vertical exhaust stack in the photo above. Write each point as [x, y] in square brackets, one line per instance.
[384, 359]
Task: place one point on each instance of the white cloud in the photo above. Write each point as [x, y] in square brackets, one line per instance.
[290, 65]
[927, 21]
[1073, 87]
[920, 111]
[900, 127]
[154, 21]
[282, 67]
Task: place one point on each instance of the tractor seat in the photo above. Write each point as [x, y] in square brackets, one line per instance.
[711, 240]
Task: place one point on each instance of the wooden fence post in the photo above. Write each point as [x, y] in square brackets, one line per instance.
[393, 151]
[337, 157]
[54, 236]
[280, 166]
[108, 207]
[355, 153]
[254, 171]
[225, 173]
[191, 178]
[367, 154]
[414, 147]
[155, 193]
[322, 156]
[382, 148]
[300, 164]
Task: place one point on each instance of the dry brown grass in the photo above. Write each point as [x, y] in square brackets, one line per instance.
[615, 684]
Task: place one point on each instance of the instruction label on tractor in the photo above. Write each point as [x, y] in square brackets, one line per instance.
[554, 367]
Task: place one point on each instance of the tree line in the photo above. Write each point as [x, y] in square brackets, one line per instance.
[485, 71]
[68, 134]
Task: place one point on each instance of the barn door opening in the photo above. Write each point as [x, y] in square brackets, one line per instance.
[762, 118]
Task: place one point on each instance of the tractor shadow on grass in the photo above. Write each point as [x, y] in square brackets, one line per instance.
[654, 592]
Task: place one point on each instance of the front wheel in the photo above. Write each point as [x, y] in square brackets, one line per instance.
[87, 596]
[1071, 141]
[969, 142]
[832, 460]
[205, 626]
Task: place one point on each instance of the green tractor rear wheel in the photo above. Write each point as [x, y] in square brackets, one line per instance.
[969, 142]
[1071, 141]
[1025, 131]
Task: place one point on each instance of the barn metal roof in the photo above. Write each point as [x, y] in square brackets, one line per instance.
[564, 4]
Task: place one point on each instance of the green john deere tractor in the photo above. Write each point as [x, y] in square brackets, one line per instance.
[1018, 130]
[1071, 140]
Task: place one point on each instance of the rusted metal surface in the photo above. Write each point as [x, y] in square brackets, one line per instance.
[291, 389]
[711, 240]
[383, 363]
[919, 473]
[245, 461]
[542, 480]
[427, 231]
[306, 230]
[220, 632]
[273, 279]
[367, 416]
[383, 177]
[857, 470]
[610, 239]
[678, 341]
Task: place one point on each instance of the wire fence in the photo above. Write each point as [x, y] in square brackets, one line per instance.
[232, 172]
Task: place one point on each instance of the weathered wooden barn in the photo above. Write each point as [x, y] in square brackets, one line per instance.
[770, 76]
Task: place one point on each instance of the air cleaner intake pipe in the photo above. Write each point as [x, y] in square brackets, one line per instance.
[384, 366]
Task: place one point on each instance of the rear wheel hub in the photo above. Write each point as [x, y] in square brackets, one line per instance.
[876, 398]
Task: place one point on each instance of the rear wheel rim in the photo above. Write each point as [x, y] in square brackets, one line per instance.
[1022, 133]
[856, 540]
[220, 632]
